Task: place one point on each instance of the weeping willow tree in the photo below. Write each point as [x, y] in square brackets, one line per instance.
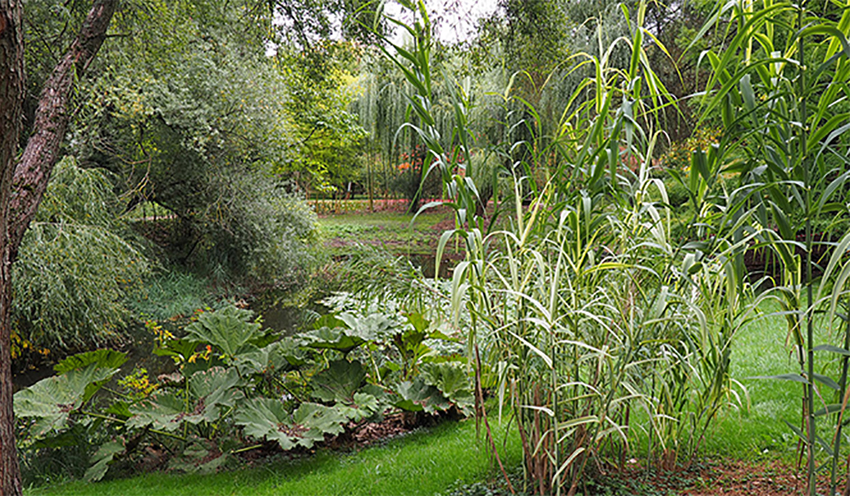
[76, 264]
[517, 74]
[384, 109]
[381, 108]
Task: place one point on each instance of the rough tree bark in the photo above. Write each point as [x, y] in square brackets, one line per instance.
[23, 182]
[11, 99]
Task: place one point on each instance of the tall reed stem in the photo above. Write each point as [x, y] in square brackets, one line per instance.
[811, 431]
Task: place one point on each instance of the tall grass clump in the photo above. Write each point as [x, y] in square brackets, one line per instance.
[592, 326]
[780, 89]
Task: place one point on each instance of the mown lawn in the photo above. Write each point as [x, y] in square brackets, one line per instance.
[392, 230]
[758, 430]
[425, 462]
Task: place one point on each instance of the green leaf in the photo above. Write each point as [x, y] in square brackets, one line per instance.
[52, 400]
[104, 358]
[281, 356]
[101, 460]
[265, 418]
[417, 396]
[228, 329]
[828, 382]
[214, 390]
[329, 320]
[832, 349]
[333, 339]
[826, 447]
[747, 92]
[372, 327]
[797, 431]
[783, 377]
[453, 382]
[363, 406]
[828, 410]
[162, 411]
[357, 330]
[782, 222]
[418, 321]
[339, 382]
[546, 358]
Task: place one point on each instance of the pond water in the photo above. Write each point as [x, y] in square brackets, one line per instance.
[138, 346]
[287, 318]
[427, 262]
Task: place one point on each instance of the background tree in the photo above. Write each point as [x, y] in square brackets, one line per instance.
[327, 140]
[192, 116]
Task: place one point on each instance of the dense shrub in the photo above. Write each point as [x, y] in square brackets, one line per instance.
[263, 233]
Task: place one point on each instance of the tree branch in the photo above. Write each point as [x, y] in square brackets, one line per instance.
[51, 121]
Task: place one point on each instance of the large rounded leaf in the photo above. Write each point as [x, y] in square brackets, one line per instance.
[453, 382]
[417, 396]
[227, 329]
[265, 418]
[340, 339]
[339, 381]
[214, 390]
[355, 331]
[281, 356]
[52, 400]
[103, 358]
[162, 410]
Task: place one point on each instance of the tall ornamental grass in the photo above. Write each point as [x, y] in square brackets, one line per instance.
[593, 327]
[780, 89]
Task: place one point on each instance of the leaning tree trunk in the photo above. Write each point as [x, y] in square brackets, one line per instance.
[22, 185]
[51, 120]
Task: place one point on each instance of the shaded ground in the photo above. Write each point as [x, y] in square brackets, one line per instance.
[726, 477]
[708, 478]
[738, 477]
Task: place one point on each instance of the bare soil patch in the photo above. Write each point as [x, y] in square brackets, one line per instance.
[713, 478]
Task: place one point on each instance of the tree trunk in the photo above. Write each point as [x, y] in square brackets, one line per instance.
[11, 100]
[22, 186]
[10, 479]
